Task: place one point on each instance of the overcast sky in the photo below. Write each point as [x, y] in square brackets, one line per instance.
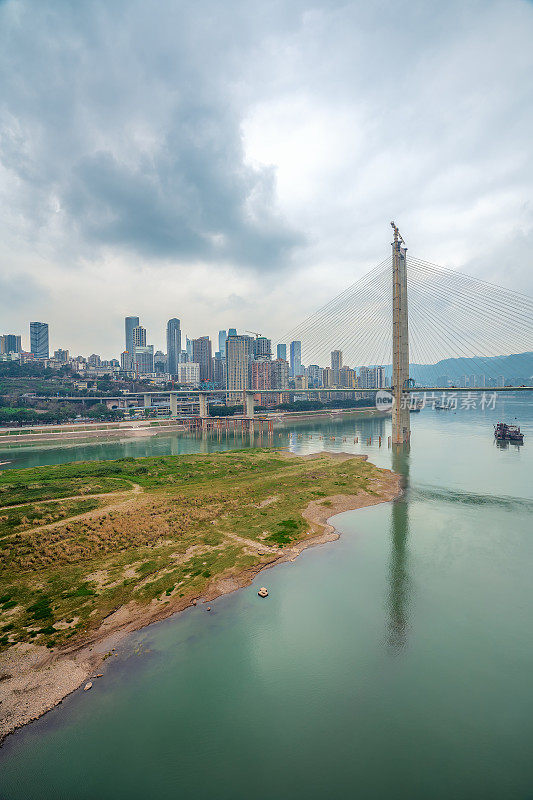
[237, 163]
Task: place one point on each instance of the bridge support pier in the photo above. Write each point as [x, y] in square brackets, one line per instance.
[173, 404]
[249, 404]
[203, 413]
[147, 400]
[401, 424]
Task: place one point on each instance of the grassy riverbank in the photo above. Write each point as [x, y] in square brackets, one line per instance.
[147, 530]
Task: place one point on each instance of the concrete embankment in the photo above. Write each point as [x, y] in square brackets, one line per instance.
[14, 437]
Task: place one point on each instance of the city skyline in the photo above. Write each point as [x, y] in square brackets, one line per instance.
[252, 363]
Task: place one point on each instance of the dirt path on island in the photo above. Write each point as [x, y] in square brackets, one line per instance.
[129, 498]
[260, 547]
[135, 490]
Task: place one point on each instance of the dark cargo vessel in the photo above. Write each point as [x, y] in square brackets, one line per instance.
[508, 433]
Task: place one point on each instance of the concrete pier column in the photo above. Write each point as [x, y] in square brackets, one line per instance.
[203, 405]
[147, 400]
[173, 404]
[249, 404]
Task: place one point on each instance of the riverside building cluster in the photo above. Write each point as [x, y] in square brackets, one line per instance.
[240, 361]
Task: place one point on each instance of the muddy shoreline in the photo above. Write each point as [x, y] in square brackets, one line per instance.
[33, 679]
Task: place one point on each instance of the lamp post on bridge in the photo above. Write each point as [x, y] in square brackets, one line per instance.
[401, 425]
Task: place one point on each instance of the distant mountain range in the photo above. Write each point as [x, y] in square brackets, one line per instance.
[515, 370]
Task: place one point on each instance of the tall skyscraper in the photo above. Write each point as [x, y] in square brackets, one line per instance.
[296, 359]
[39, 339]
[139, 337]
[281, 351]
[239, 350]
[222, 336]
[201, 354]
[336, 364]
[232, 332]
[173, 345]
[130, 324]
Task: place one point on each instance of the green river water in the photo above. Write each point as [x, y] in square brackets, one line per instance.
[395, 663]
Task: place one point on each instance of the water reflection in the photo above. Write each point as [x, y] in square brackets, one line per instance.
[399, 582]
[504, 444]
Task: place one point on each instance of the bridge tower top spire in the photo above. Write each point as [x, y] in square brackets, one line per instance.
[398, 238]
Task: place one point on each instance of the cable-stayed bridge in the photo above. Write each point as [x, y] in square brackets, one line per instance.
[413, 324]
[422, 325]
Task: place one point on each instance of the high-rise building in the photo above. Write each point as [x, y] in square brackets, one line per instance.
[262, 348]
[188, 348]
[39, 339]
[94, 360]
[347, 378]
[222, 336]
[130, 324]
[336, 364]
[189, 373]
[201, 354]
[371, 378]
[173, 345]
[160, 362]
[314, 376]
[219, 371]
[281, 351]
[327, 377]
[144, 359]
[10, 343]
[126, 361]
[279, 374]
[232, 332]
[61, 355]
[296, 359]
[139, 337]
[261, 374]
[239, 351]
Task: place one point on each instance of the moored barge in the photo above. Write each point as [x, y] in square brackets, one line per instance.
[508, 433]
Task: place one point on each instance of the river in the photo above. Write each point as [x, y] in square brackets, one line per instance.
[393, 663]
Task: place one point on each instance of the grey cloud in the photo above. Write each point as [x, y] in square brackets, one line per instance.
[17, 292]
[122, 127]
